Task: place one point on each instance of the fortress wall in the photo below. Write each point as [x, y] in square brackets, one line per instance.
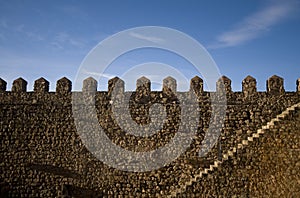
[42, 154]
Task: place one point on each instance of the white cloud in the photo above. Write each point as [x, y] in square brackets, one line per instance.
[147, 38]
[256, 24]
[20, 30]
[62, 39]
[35, 36]
[98, 75]
[74, 12]
[14, 64]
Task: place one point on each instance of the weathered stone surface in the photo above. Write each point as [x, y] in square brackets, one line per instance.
[63, 86]
[169, 85]
[298, 85]
[116, 83]
[89, 85]
[42, 154]
[19, 85]
[2, 85]
[249, 86]
[41, 85]
[143, 89]
[224, 83]
[197, 85]
[265, 168]
[275, 85]
[144, 84]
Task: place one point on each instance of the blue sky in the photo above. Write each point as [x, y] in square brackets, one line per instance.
[51, 38]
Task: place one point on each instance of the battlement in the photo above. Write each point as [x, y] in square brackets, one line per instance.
[274, 85]
[44, 156]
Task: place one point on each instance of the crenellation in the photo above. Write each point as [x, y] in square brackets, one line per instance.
[3, 85]
[169, 85]
[41, 86]
[143, 89]
[298, 85]
[117, 85]
[43, 154]
[224, 83]
[143, 84]
[19, 85]
[196, 84]
[275, 85]
[249, 87]
[63, 86]
[89, 85]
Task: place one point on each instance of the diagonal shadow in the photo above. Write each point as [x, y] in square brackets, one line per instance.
[78, 192]
[55, 170]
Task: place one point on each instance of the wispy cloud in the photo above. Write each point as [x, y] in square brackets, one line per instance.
[7, 29]
[63, 39]
[147, 38]
[98, 75]
[3, 29]
[74, 11]
[256, 24]
[14, 64]
[29, 34]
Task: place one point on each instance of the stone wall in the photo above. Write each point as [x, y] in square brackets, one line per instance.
[43, 156]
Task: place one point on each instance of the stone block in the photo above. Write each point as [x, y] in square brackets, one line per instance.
[63, 86]
[3, 85]
[275, 85]
[196, 85]
[41, 85]
[249, 87]
[19, 85]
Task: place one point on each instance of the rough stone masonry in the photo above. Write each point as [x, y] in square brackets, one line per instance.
[43, 156]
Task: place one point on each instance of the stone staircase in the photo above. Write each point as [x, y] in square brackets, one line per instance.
[289, 117]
